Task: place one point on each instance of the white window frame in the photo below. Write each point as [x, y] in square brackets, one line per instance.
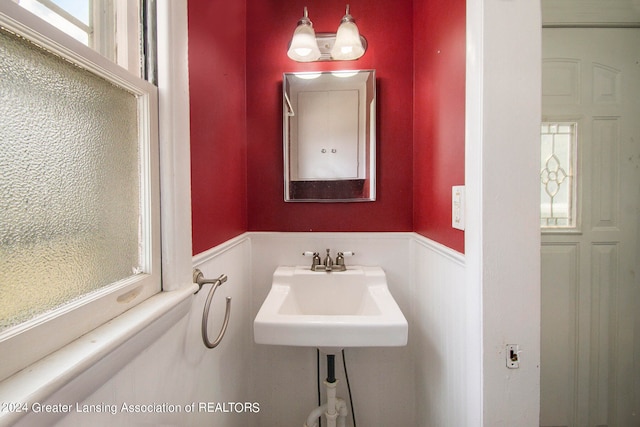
[29, 342]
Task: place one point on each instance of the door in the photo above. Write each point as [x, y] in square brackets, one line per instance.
[590, 372]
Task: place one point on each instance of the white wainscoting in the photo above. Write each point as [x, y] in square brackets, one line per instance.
[440, 336]
[422, 384]
[381, 378]
[177, 369]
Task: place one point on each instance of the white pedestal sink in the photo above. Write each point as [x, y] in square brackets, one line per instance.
[330, 311]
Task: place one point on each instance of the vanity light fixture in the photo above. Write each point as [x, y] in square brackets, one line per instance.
[346, 45]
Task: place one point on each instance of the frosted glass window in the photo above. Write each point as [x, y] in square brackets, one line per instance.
[70, 182]
[557, 180]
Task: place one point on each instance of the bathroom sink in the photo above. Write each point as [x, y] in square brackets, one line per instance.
[351, 308]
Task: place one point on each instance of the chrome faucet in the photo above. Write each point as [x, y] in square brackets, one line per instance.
[328, 262]
[328, 265]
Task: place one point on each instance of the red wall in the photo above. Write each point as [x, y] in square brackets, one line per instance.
[217, 59]
[387, 27]
[237, 54]
[439, 117]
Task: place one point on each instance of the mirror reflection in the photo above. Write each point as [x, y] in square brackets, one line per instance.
[329, 128]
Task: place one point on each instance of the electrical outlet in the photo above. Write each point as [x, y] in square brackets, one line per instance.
[513, 356]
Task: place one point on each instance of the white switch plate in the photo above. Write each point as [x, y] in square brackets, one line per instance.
[457, 207]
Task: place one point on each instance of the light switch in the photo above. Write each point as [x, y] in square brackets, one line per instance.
[457, 207]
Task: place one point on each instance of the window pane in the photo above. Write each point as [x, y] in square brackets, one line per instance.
[79, 9]
[557, 166]
[69, 182]
[72, 17]
[110, 27]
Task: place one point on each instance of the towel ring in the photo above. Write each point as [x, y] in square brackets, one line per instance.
[198, 278]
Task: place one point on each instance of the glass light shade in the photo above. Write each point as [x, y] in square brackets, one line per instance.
[348, 44]
[304, 46]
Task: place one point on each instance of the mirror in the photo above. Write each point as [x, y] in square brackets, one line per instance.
[329, 129]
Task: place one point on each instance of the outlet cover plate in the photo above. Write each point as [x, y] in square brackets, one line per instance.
[513, 356]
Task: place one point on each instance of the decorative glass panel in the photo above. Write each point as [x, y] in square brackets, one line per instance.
[70, 186]
[557, 180]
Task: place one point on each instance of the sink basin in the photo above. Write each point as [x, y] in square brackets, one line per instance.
[351, 308]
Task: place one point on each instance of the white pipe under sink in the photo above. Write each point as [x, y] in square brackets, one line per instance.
[312, 419]
[335, 410]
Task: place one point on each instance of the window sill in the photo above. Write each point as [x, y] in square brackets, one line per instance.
[139, 327]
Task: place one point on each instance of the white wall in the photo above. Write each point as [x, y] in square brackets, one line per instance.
[177, 369]
[382, 379]
[562, 12]
[422, 384]
[502, 239]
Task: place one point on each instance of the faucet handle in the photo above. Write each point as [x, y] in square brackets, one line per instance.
[341, 255]
[316, 258]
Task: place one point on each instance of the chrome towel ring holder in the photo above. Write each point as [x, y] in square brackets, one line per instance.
[199, 278]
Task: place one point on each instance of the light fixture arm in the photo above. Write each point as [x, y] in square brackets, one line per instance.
[347, 16]
[305, 18]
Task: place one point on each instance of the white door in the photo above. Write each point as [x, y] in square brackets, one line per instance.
[590, 372]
